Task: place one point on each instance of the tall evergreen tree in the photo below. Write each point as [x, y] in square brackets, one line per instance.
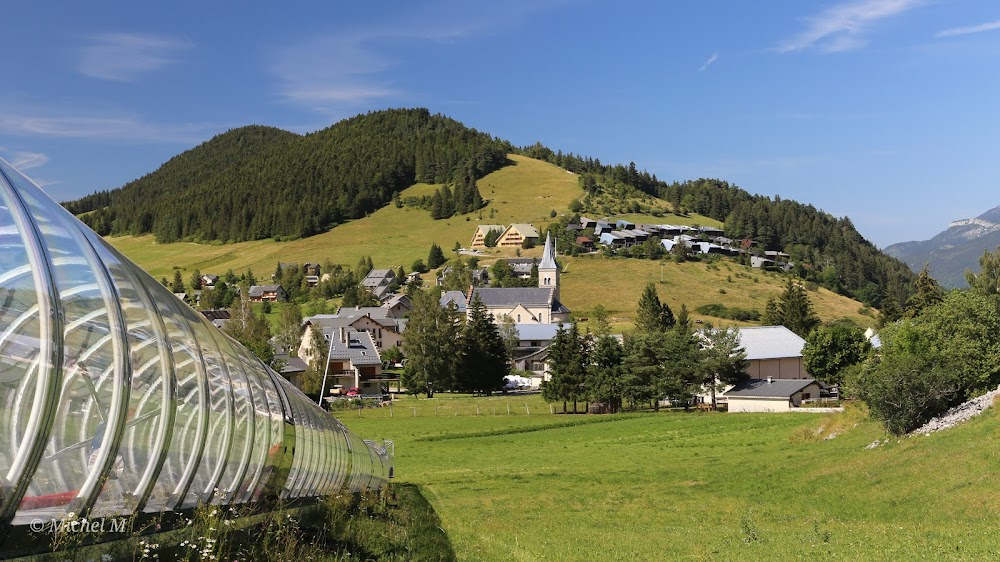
[435, 258]
[178, 284]
[724, 361]
[604, 381]
[927, 294]
[484, 354]
[567, 356]
[652, 315]
[792, 310]
[433, 344]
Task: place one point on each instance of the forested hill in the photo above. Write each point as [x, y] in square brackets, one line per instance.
[261, 182]
[826, 249]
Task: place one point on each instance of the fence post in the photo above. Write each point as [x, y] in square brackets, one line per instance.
[552, 409]
[414, 411]
[477, 409]
[508, 408]
[435, 411]
[390, 409]
[526, 410]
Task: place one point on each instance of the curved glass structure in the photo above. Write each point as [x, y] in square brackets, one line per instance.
[117, 398]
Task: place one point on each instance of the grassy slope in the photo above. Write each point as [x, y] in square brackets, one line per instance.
[702, 486]
[525, 192]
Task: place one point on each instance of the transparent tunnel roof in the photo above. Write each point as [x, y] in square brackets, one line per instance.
[115, 396]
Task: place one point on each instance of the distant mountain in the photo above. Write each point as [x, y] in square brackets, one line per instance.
[953, 251]
[255, 182]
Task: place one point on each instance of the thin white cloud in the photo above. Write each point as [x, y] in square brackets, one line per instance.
[122, 57]
[969, 30]
[28, 160]
[348, 69]
[711, 60]
[842, 27]
[113, 128]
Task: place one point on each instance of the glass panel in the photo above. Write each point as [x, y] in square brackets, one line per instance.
[21, 342]
[239, 453]
[262, 427]
[150, 406]
[191, 404]
[91, 402]
[220, 420]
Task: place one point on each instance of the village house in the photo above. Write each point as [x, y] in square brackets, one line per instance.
[585, 242]
[623, 224]
[377, 282]
[773, 351]
[380, 322]
[209, 280]
[482, 233]
[272, 293]
[218, 318]
[515, 235]
[354, 360]
[601, 227]
[587, 223]
[312, 269]
[770, 395]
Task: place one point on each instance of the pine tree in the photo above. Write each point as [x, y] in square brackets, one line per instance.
[927, 294]
[437, 205]
[652, 315]
[435, 258]
[604, 378]
[433, 344]
[483, 351]
[178, 285]
[723, 360]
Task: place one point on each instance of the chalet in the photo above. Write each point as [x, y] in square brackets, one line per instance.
[312, 269]
[454, 297]
[413, 277]
[482, 233]
[572, 227]
[218, 318]
[273, 293]
[521, 267]
[585, 241]
[778, 257]
[536, 363]
[532, 337]
[770, 394]
[711, 231]
[516, 235]
[397, 306]
[377, 282]
[773, 351]
[292, 368]
[672, 230]
[480, 277]
[354, 360]
[757, 261]
[312, 280]
[209, 280]
[640, 235]
[613, 239]
[601, 227]
[652, 229]
[623, 224]
[385, 330]
[587, 223]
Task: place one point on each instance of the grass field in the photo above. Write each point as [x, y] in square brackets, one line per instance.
[585, 283]
[692, 486]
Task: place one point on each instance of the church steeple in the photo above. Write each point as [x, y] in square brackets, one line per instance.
[548, 270]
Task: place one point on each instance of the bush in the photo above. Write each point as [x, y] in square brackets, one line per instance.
[729, 313]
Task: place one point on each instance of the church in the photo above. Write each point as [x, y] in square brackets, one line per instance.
[528, 305]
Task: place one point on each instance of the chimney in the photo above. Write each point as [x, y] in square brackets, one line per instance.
[768, 380]
[343, 337]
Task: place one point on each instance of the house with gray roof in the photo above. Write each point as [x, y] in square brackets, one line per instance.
[770, 394]
[773, 351]
[354, 360]
[273, 293]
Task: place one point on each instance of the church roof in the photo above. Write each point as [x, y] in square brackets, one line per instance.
[493, 296]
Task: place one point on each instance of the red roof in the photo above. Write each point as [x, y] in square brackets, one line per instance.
[583, 240]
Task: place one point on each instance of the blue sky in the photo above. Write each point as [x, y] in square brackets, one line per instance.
[885, 111]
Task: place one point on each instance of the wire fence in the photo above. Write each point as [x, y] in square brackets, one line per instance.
[448, 406]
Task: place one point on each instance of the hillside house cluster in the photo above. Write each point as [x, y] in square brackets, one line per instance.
[379, 282]
[698, 239]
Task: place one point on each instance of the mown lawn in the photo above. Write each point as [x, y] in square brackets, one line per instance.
[698, 486]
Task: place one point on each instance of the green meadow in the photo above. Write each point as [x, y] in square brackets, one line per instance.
[530, 485]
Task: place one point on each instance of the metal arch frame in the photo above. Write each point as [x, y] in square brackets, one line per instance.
[50, 356]
[168, 386]
[90, 490]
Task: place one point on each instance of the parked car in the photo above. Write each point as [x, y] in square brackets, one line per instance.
[354, 391]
